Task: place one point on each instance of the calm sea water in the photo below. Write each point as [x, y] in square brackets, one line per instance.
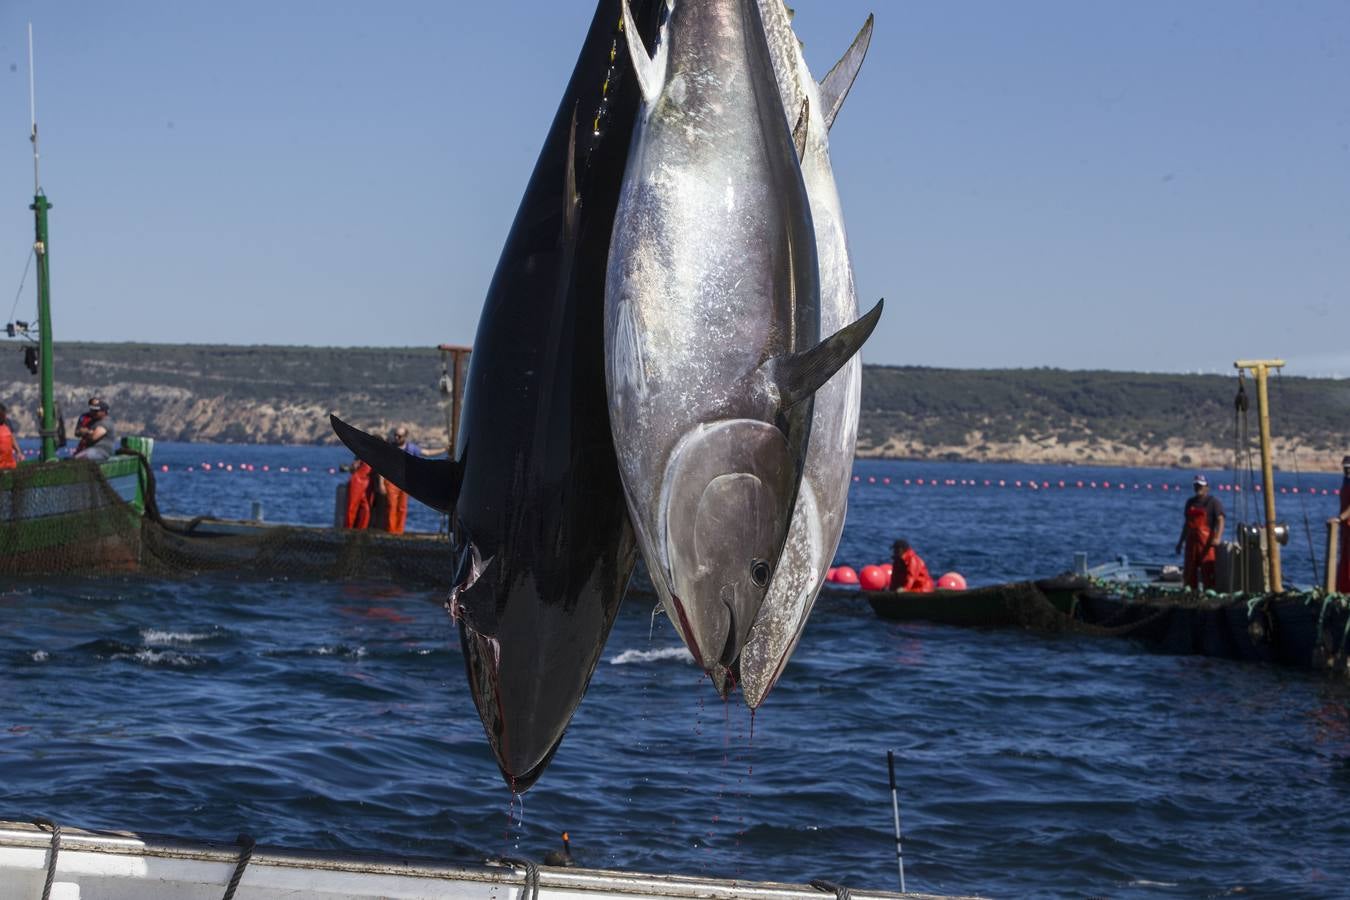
[336, 715]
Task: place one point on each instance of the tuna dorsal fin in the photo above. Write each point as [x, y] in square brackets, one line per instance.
[799, 375]
[650, 72]
[835, 85]
[435, 482]
[571, 199]
[799, 130]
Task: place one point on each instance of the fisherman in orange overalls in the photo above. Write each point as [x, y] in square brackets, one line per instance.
[1201, 534]
[358, 496]
[390, 510]
[908, 571]
[1343, 569]
[396, 504]
[9, 448]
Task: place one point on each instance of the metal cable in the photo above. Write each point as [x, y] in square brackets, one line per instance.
[51, 854]
[829, 887]
[24, 278]
[531, 886]
[246, 841]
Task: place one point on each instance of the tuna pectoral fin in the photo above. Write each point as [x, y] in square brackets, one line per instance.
[799, 375]
[799, 130]
[835, 85]
[650, 72]
[435, 482]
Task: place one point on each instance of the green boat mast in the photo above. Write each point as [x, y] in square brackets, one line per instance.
[44, 283]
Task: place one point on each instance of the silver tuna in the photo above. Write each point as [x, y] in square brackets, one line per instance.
[822, 500]
[712, 321]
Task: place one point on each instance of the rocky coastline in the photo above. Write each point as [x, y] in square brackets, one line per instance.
[283, 395]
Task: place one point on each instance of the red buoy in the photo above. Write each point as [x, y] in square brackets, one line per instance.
[845, 575]
[887, 568]
[873, 578]
[952, 581]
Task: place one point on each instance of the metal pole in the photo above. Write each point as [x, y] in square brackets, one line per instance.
[895, 807]
[44, 283]
[1268, 476]
[457, 358]
[40, 207]
[1333, 541]
[1261, 368]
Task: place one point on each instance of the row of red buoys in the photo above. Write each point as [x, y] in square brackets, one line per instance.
[878, 578]
[1034, 485]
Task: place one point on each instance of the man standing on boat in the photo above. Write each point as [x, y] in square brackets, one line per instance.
[1201, 534]
[1343, 569]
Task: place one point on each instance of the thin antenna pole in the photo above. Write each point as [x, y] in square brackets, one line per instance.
[32, 110]
[895, 806]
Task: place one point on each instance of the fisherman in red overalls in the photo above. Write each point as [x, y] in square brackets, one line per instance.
[358, 496]
[1201, 533]
[908, 571]
[1343, 570]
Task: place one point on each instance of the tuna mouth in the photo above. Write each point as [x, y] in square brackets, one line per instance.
[690, 638]
[729, 652]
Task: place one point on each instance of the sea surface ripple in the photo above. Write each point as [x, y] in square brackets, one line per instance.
[336, 715]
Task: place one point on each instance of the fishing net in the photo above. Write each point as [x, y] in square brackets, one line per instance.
[67, 518]
[80, 517]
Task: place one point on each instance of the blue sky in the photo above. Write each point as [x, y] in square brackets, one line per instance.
[1144, 185]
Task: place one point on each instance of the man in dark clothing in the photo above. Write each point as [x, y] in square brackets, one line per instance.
[1201, 534]
[1343, 569]
[97, 441]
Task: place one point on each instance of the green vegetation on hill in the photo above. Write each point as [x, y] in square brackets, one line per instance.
[283, 395]
[950, 406]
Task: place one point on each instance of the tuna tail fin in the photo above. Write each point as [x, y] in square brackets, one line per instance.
[435, 482]
[799, 375]
[834, 87]
[651, 72]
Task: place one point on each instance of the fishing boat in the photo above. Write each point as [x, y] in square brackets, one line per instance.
[1248, 614]
[119, 865]
[65, 515]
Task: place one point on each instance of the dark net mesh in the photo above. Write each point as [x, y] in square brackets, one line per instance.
[66, 517]
[79, 517]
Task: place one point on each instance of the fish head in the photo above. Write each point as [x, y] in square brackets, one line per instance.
[726, 503]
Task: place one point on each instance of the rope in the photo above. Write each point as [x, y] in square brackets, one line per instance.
[530, 889]
[829, 887]
[146, 476]
[51, 854]
[246, 841]
[22, 279]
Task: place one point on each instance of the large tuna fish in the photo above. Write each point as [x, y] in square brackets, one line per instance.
[540, 531]
[712, 322]
[822, 500]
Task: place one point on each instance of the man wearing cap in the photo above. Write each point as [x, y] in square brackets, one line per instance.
[95, 432]
[1343, 569]
[1201, 533]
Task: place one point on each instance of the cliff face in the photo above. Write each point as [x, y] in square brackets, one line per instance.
[257, 394]
[283, 395]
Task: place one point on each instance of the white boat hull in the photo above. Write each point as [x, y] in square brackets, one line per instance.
[127, 866]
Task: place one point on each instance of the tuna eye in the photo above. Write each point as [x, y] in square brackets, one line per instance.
[759, 571]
